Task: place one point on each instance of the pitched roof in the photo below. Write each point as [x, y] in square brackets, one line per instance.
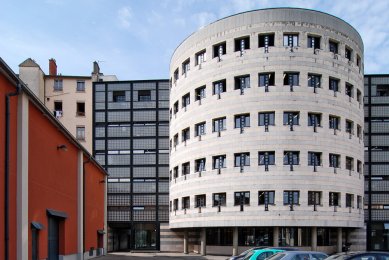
[29, 63]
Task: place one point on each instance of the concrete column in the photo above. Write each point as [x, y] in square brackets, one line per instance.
[276, 234]
[235, 241]
[314, 238]
[203, 242]
[22, 227]
[339, 242]
[80, 204]
[186, 240]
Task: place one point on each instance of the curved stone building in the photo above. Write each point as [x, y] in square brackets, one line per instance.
[266, 132]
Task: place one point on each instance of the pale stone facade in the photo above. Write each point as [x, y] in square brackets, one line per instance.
[250, 58]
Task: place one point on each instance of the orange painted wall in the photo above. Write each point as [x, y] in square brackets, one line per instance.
[6, 87]
[52, 180]
[94, 204]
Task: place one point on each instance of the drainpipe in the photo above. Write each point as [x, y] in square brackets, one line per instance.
[6, 172]
[83, 203]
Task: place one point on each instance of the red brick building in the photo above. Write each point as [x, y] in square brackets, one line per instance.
[52, 195]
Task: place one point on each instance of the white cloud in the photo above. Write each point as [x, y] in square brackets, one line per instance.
[124, 16]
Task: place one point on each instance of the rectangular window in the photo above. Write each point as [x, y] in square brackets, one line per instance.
[119, 96]
[185, 100]
[334, 199]
[313, 42]
[359, 166]
[382, 90]
[334, 122]
[266, 118]
[314, 80]
[201, 57]
[266, 79]
[265, 40]
[334, 160]
[219, 50]
[200, 165]
[314, 158]
[349, 163]
[349, 126]
[185, 67]
[291, 40]
[185, 168]
[291, 197]
[266, 158]
[175, 204]
[314, 119]
[200, 129]
[80, 132]
[58, 85]
[242, 198]
[175, 75]
[266, 197]
[80, 109]
[219, 87]
[185, 203]
[291, 78]
[219, 199]
[219, 124]
[242, 44]
[359, 202]
[200, 93]
[242, 159]
[334, 84]
[333, 47]
[80, 86]
[175, 172]
[185, 134]
[242, 121]
[291, 118]
[175, 140]
[144, 95]
[242, 82]
[58, 106]
[175, 107]
[291, 158]
[314, 198]
[219, 161]
[359, 62]
[359, 96]
[349, 90]
[349, 53]
[200, 201]
[349, 200]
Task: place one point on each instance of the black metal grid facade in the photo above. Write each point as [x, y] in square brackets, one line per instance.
[130, 140]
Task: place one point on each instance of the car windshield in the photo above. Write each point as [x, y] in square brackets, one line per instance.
[277, 256]
[318, 256]
[249, 254]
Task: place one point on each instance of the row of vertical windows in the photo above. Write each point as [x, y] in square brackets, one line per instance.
[266, 158]
[290, 79]
[265, 41]
[290, 118]
[267, 197]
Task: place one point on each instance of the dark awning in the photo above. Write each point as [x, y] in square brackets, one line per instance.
[56, 213]
[37, 225]
[101, 231]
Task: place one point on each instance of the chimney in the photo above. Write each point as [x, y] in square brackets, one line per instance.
[52, 67]
[96, 68]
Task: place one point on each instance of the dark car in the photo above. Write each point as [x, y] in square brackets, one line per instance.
[374, 255]
[299, 255]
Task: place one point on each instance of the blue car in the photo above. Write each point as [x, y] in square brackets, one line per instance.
[262, 254]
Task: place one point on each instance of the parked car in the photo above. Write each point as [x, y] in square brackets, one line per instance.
[261, 254]
[374, 255]
[243, 254]
[299, 255]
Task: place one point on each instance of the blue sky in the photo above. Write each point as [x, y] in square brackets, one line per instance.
[135, 39]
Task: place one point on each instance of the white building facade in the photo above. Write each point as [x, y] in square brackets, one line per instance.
[266, 133]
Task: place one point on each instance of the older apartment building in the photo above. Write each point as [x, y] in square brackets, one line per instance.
[69, 97]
